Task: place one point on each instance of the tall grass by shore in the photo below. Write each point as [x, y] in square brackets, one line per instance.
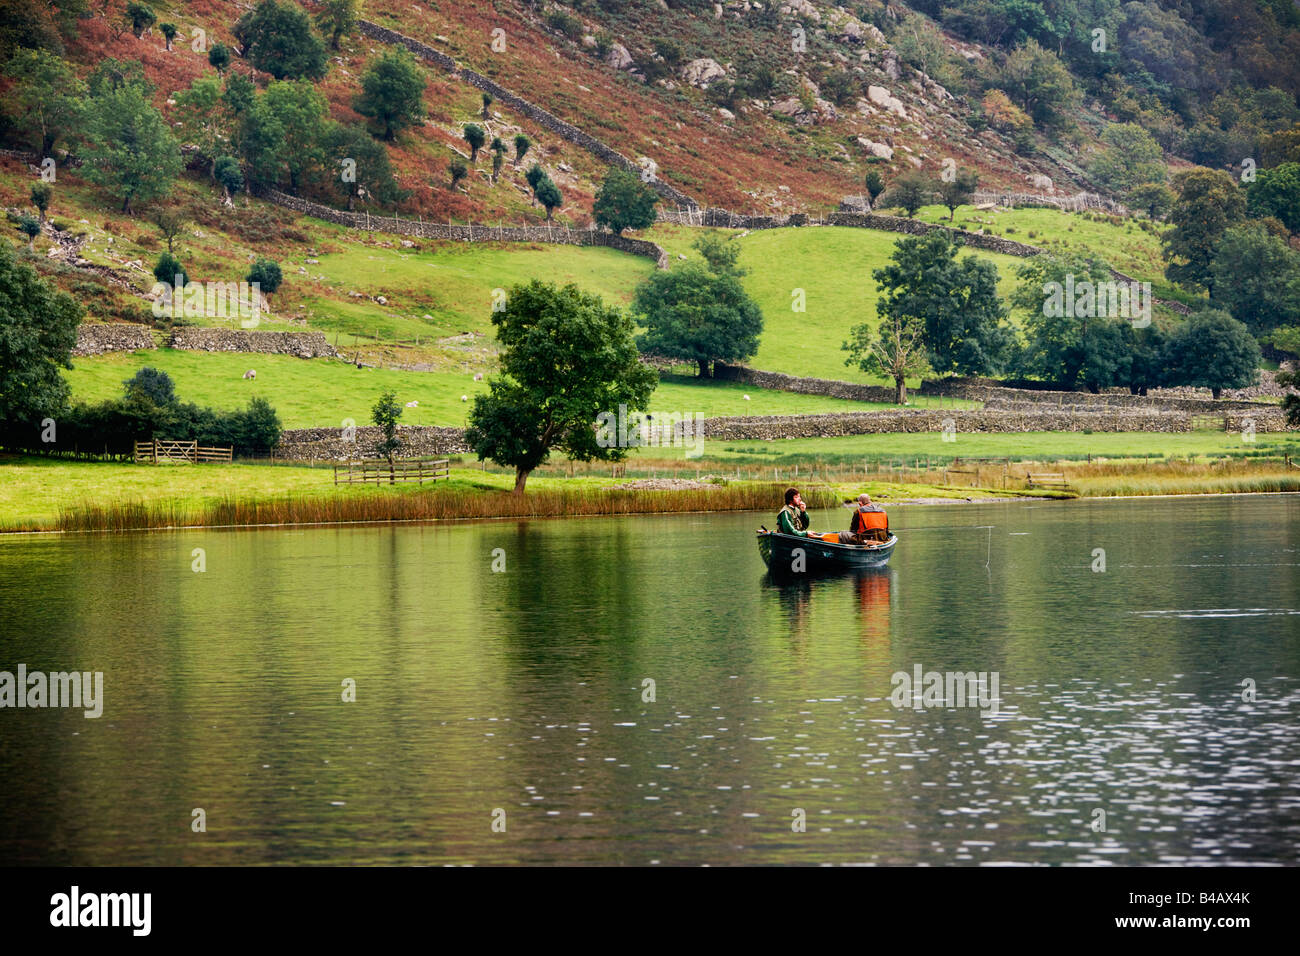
[428, 505]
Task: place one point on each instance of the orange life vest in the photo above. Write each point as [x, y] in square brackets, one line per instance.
[868, 520]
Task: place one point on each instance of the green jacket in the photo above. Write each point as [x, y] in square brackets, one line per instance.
[787, 521]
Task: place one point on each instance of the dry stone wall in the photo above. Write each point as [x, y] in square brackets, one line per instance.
[998, 396]
[96, 338]
[468, 233]
[520, 105]
[974, 420]
[804, 386]
[302, 344]
[328, 444]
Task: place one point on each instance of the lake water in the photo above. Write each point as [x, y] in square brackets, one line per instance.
[520, 696]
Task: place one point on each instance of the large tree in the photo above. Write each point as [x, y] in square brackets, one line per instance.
[46, 99]
[370, 176]
[1276, 192]
[392, 93]
[1256, 277]
[699, 315]
[130, 151]
[567, 358]
[1131, 158]
[909, 191]
[896, 350]
[1209, 202]
[277, 38]
[957, 302]
[1071, 345]
[958, 191]
[337, 19]
[38, 329]
[292, 114]
[1213, 350]
[206, 120]
[1039, 83]
[624, 202]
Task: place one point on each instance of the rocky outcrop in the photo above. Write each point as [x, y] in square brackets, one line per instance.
[618, 58]
[879, 150]
[301, 344]
[702, 72]
[887, 101]
[96, 338]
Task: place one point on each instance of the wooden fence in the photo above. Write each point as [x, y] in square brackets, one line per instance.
[380, 471]
[191, 451]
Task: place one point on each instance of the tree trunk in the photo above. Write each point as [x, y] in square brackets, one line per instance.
[900, 390]
[704, 368]
[392, 471]
[521, 479]
[1217, 393]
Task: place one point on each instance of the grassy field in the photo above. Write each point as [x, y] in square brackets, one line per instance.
[1024, 446]
[1127, 246]
[435, 293]
[833, 266]
[324, 392]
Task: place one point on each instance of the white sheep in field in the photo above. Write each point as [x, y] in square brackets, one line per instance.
[478, 377]
[413, 404]
[250, 374]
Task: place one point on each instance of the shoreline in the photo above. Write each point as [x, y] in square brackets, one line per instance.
[912, 502]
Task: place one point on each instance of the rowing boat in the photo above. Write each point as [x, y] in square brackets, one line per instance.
[791, 554]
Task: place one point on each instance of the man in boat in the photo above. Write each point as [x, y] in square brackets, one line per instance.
[863, 529]
[793, 518]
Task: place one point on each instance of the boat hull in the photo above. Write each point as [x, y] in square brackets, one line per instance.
[778, 552]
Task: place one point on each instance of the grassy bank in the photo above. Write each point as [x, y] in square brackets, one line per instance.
[38, 494]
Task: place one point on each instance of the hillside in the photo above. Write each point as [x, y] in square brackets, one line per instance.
[779, 108]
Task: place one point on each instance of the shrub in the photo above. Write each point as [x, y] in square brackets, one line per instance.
[266, 273]
[170, 271]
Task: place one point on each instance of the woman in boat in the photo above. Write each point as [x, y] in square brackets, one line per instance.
[793, 518]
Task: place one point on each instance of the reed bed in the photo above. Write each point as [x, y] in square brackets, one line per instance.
[431, 505]
[1174, 477]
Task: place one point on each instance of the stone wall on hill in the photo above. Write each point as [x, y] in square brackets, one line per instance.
[468, 233]
[973, 420]
[995, 395]
[804, 386]
[302, 344]
[96, 338]
[520, 105]
[328, 444]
